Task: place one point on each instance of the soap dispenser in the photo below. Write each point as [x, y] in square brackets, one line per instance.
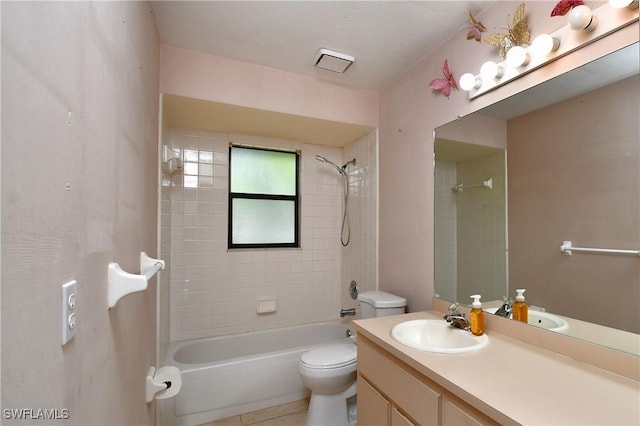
[477, 316]
[520, 310]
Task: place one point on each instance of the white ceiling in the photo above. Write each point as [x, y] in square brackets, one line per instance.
[385, 37]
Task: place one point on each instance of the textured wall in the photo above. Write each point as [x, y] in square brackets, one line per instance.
[79, 190]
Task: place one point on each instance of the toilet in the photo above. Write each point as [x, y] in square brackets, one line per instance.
[330, 371]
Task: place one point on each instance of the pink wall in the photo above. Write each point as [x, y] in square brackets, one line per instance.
[410, 111]
[202, 76]
[79, 190]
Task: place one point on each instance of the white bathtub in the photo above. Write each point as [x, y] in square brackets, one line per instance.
[230, 375]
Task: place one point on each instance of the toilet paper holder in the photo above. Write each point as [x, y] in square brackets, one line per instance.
[163, 383]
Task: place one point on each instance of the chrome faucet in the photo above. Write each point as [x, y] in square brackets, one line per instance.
[456, 319]
[505, 309]
[345, 312]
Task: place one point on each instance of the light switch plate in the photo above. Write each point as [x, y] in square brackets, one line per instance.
[69, 305]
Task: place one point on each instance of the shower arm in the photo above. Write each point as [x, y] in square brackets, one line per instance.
[341, 169]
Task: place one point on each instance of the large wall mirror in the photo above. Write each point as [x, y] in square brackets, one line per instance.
[559, 162]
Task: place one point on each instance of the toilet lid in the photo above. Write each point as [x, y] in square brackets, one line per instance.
[381, 299]
[331, 356]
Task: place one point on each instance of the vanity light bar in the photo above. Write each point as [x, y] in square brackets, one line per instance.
[544, 49]
[519, 61]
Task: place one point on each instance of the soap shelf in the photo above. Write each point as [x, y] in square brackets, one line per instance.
[121, 283]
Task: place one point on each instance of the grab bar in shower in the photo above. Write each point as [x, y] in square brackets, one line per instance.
[461, 187]
[567, 249]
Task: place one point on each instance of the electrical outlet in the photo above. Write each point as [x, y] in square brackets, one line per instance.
[69, 320]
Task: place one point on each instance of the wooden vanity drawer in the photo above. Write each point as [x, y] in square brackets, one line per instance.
[416, 398]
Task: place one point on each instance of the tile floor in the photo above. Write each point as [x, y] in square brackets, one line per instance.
[291, 414]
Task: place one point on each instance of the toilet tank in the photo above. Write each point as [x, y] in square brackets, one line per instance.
[380, 304]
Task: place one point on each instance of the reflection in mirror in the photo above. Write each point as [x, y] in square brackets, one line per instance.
[572, 172]
[470, 214]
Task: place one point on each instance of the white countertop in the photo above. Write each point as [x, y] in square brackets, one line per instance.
[516, 382]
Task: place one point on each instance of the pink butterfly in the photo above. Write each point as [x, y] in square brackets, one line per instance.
[564, 6]
[444, 84]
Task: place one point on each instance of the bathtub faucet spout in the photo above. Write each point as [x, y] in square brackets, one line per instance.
[345, 312]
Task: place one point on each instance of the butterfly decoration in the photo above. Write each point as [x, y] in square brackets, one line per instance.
[444, 84]
[518, 34]
[564, 6]
[475, 29]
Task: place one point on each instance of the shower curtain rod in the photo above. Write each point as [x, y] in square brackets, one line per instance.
[461, 187]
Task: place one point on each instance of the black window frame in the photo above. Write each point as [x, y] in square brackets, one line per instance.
[241, 195]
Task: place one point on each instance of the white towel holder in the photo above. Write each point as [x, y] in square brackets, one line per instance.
[121, 283]
[567, 249]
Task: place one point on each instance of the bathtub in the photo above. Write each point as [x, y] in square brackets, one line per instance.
[230, 375]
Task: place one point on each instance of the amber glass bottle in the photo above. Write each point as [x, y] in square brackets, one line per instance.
[520, 309]
[476, 317]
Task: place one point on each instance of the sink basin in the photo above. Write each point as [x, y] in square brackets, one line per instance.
[543, 320]
[437, 336]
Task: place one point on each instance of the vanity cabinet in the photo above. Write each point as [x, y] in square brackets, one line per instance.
[392, 393]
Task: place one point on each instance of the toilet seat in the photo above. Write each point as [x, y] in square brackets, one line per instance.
[330, 356]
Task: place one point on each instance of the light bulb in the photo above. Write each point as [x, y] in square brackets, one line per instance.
[544, 44]
[517, 56]
[491, 70]
[581, 18]
[469, 81]
[619, 4]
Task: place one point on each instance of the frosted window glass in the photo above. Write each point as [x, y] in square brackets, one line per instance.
[263, 221]
[255, 171]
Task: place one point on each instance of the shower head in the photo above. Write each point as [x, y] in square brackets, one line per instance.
[342, 170]
[325, 160]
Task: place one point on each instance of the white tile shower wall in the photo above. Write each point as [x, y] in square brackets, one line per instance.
[360, 256]
[213, 290]
[445, 230]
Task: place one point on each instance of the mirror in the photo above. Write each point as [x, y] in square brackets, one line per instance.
[558, 162]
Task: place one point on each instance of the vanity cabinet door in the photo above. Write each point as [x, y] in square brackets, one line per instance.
[397, 419]
[413, 396]
[373, 409]
[391, 393]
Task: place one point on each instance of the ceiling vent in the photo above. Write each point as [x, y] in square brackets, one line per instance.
[332, 61]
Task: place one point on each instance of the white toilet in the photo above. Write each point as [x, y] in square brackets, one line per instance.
[330, 371]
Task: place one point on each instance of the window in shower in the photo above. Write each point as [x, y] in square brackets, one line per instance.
[263, 198]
